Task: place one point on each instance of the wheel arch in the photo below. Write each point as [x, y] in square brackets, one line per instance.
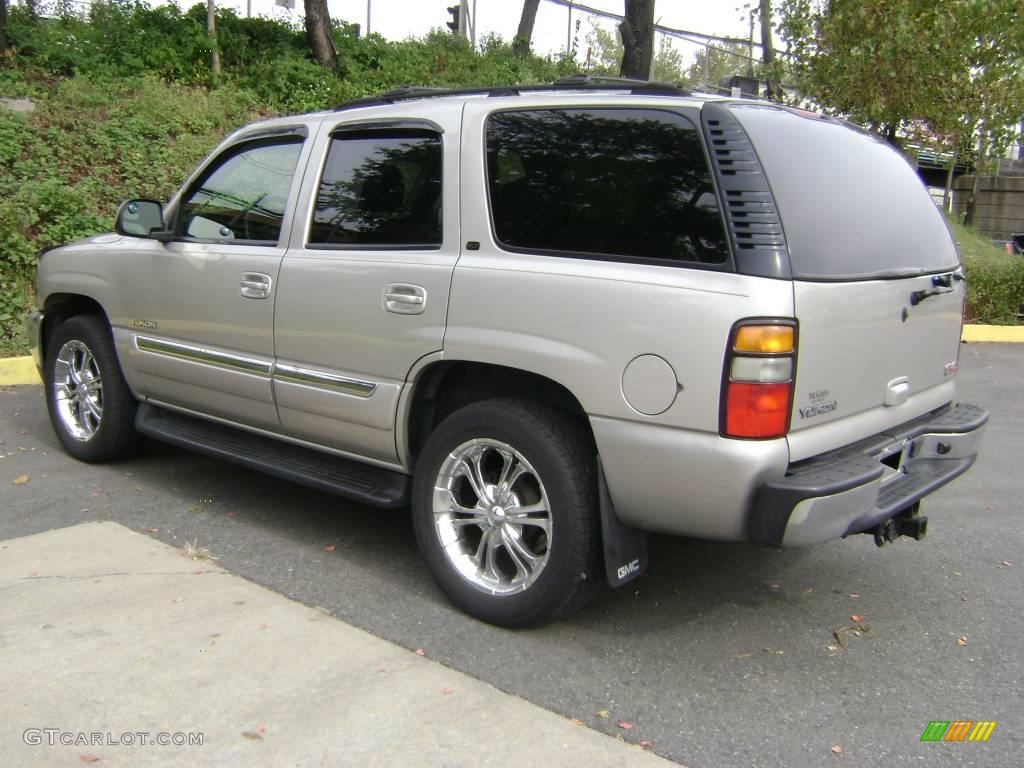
[444, 386]
[58, 307]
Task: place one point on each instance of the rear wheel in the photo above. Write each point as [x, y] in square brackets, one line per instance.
[504, 507]
[90, 405]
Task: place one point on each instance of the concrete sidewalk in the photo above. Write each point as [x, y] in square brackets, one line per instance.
[107, 633]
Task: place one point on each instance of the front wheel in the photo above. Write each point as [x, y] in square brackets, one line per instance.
[504, 508]
[91, 408]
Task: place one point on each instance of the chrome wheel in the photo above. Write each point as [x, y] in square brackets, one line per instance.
[78, 390]
[492, 516]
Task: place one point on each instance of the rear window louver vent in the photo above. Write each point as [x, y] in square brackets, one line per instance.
[759, 244]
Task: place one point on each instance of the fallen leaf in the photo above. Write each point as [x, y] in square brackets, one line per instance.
[645, 745]
[774, 651]
[253, 735]
[962, 640]
[857, 617]
[153, 530]
[957, 573]
[603, 714]
[88, 758]
[261, 729]
[830, 647]
[263, 626]
[625, 726]
[448, 690]
[420, 652]
[808, 590]
[775, 585]
[855, 595]
[21, 480]
[837, 749]
[1006, 564]
[179, 600]
[330, 548]
[575, 721]
[27, 519]
[232, 514]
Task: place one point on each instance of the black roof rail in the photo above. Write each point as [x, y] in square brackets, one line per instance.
[578, 82]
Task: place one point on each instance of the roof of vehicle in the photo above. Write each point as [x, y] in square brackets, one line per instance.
[574, 85]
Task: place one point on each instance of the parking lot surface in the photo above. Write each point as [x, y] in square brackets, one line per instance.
[725, 654]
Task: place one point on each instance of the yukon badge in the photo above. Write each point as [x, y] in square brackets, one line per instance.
[820, 403]
[147, 324]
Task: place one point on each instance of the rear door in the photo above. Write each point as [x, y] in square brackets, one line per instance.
[363, 292]
[877, 284]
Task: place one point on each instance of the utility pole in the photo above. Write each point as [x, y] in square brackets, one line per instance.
[750, 46]
[211, 32]
[568, 32]
[368, 17]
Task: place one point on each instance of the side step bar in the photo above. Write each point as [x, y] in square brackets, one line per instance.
[369, 485]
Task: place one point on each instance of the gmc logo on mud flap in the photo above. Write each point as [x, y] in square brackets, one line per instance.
[630, 567]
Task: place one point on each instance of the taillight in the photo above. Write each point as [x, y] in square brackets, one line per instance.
[758, 379]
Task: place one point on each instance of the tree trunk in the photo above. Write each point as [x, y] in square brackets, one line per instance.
[211, 33]
[521, 44]
[979, 168]
[768, 55]
[318, 30]
[4, 43]
[947, 193]
[637, 39]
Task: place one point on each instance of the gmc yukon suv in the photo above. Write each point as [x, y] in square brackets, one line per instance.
[548, 318]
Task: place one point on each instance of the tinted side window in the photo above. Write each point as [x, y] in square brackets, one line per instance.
[244, 195]
[626, 183]
[380, 189]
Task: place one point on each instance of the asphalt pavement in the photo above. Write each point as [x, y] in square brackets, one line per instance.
[725, 654]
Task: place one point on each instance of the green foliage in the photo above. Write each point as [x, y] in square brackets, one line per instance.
[91, 142]
[995, 279]
[953, 64]
[126, 107]
[718, 61]
[604, 57]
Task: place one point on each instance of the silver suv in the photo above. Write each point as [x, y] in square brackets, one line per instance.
[549, 318]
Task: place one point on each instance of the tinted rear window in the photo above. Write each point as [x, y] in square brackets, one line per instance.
[616, 183]
[851, 205]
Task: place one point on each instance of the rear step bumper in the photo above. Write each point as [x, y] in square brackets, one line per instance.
[856, 488]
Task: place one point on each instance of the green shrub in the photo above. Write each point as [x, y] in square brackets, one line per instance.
[126, 105]
[995, 279]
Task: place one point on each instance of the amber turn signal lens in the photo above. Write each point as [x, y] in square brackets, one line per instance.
[764, 339]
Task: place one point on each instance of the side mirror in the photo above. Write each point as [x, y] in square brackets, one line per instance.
[142, 218]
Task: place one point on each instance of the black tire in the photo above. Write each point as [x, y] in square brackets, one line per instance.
[561, 466]
[112, 434]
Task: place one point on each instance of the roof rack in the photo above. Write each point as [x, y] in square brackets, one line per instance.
[577, 82]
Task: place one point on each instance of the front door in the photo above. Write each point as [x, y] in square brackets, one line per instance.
[201, 308]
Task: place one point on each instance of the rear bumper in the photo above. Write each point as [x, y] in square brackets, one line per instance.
[857, 487]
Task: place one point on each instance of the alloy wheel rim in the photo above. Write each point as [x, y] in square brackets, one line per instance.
[78, 390]
[492, 516]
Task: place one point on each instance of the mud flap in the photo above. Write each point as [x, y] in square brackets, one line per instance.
[625, 548]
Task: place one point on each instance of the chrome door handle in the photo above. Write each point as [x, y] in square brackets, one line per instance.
[255, 285]
[405, 299]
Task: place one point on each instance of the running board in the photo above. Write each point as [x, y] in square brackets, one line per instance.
[366, 484]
